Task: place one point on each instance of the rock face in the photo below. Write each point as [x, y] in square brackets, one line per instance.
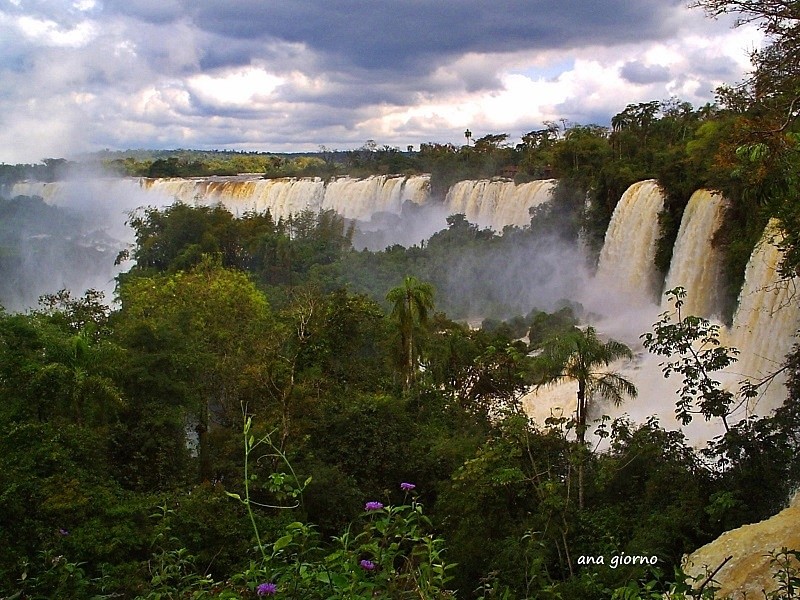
[748, 572]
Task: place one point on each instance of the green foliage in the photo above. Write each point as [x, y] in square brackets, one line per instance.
[212, 326]
[581, 356]
[284, 253]
[754, 467]
[393, 556]
[695, 343]
[97, 403]
[411, 303]
[544, 326]
[53, 576]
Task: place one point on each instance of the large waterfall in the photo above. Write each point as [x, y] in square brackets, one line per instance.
[492, 204]
[626, 260]
[696, 265]
[767, 316]
[352, 198]
[763, 328]
[495, 204]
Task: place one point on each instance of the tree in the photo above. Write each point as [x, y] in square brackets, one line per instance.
[210, 328]
[491, 142]
[484, 372]
[411, 303]
[767, 144]
[778, 20]
[581, 356]
[693, 344]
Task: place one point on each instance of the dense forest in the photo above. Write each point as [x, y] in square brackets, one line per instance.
[266, 411]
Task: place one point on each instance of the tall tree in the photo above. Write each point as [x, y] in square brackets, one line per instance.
[411, 303]
[582, 357]
[212, 328]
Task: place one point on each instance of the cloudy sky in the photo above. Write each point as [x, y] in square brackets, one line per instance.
[291, 75]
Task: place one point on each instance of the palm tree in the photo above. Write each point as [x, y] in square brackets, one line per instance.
[411, 303]
[581, 356]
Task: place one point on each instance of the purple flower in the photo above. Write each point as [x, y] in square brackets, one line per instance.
[407, 487]
[373, 506]
[266, 589]
[367, 565]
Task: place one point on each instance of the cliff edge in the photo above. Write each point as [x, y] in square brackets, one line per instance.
[748, 572]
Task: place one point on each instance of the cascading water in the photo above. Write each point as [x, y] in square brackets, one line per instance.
[626, 261]
[350, 197]
[766, 319]
[495, 204]
[281, 197]
[696, 265]
[361, 198]
[763, 325]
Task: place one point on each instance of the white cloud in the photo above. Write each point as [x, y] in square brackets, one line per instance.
[118, 79]
[50, 33]
[237, 88]
[84, 5]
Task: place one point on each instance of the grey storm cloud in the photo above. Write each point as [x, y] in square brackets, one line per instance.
[81, 74]
[413, 35]
[637, 72]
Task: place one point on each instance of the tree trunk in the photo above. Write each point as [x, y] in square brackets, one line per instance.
[204, 452]
[410, 325]
[581, 431]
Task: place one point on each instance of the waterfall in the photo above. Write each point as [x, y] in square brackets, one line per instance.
[350, 197]
[495, 204]
[361, 198]
[281, 197]
[626, 260]
[767, 316]
[696, 264]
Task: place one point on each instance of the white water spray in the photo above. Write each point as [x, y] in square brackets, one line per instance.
[495, 204]
[626, 265]
[696, 265]
[767, 317]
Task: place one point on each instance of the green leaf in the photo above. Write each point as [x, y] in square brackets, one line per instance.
[323, 577]
[235, 496]
[282, 542]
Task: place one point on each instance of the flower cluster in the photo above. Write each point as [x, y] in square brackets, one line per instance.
[266, 589]
[373, 505]
[407, 487]
[367, 565]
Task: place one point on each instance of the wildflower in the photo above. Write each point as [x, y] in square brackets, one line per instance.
[407, 487]
[266, 589]
[63, 532]
[367, 565]
[373, 506]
